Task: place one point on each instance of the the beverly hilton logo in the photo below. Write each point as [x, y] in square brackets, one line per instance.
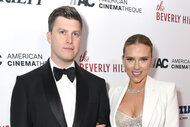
[0, 60]
[4, 126]
[164, 16]
[84, 57]
[99, 67]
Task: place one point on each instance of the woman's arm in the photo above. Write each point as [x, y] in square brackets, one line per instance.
[172, 113]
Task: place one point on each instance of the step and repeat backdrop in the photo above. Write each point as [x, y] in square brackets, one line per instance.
[107, 24]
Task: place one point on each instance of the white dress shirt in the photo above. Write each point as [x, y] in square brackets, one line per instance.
[67, 93]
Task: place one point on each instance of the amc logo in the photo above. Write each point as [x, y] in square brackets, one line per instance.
[82, 2]
[0, 60]
[160, 63]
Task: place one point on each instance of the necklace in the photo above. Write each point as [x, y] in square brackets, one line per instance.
[135, 91]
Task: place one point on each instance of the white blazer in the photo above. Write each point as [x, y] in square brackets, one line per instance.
[160, 107]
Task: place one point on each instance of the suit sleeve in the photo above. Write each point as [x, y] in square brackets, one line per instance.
[172, 113]
[104, 109]
[19, 113]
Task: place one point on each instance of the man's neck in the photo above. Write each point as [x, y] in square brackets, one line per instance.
[63, 64]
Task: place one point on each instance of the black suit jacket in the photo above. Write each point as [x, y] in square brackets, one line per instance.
[36, 101]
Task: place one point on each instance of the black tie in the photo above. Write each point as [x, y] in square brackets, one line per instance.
[70, 72]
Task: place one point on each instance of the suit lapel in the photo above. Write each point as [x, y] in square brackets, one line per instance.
[81, 96]
[53, 95]
[150, 101]
[117, 100]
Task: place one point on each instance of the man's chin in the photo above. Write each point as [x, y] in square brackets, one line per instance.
[68, 59]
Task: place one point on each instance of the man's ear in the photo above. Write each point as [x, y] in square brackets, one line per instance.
[48, 35]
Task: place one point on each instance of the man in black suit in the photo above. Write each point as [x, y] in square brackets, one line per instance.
[60, 93]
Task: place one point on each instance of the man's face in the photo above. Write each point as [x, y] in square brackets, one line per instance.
[64, 40]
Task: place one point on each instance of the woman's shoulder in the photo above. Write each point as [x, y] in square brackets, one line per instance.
[162, 85]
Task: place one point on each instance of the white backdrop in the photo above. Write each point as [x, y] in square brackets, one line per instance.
[107, 24]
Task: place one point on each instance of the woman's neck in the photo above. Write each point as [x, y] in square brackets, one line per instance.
[137, 85]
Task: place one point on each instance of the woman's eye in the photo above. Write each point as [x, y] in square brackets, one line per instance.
[129, 59]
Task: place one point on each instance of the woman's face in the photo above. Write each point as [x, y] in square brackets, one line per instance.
[137, 61]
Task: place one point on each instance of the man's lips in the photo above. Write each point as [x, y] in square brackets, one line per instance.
[68, 48]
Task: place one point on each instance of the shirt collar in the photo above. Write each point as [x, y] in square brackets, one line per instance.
[52, 64]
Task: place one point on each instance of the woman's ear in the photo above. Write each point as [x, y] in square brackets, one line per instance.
[151, 60]
[123, 59]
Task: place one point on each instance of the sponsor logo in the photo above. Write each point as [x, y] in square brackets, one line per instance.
[184, 110]
[85, 63]
[175, 63]
[29, 2]
[82, 2]
[163, 16]
[0, 60]
[160, 63]
[4, 126]
[24, 59]
[118, 5]
[180, 63]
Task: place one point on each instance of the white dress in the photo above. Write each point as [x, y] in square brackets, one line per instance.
[123, 120]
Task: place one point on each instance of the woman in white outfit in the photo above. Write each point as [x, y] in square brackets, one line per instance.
[142, 101]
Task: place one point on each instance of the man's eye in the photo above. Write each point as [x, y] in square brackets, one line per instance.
[62, 32]
[76, 34]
